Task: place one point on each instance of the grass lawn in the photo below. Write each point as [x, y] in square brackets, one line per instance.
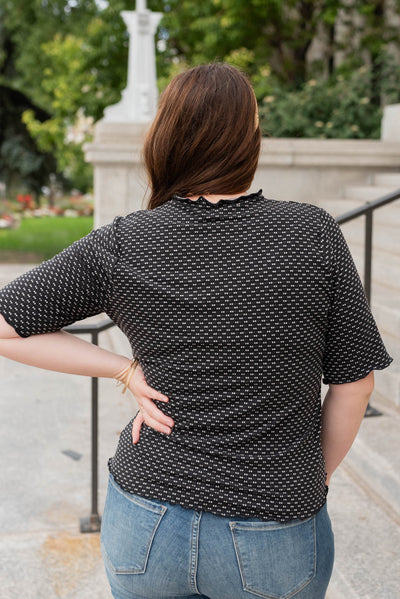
[41, 238]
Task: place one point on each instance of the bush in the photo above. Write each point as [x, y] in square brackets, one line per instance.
[347, 105]
[342, 107]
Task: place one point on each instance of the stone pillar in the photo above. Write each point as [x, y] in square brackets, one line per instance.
[119, 179]
[139, 98]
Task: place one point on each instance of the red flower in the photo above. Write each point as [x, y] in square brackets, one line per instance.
[24, 199]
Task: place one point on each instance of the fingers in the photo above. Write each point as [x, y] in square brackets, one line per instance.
[153, 394]
[150, 421]
[136, 426]
[156, 425]
[139, 387]
[151, 411]
[153, 417]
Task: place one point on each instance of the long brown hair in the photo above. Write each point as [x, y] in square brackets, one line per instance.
[205, 138]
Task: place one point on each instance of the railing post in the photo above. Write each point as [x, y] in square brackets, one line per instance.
[93, 522]
[370, 411]
[368, 254]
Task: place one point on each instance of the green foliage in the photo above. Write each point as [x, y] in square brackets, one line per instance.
[71, 59]
[277, 33]
[20, 158]
[66, 81]
[339, 108]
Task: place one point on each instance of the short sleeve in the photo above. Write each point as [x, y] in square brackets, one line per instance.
[353, 344]
[74, 284]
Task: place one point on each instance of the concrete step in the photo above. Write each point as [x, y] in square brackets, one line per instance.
[375, 454]
[387, 180]
[366, 193]
[363, 502]
[387, 384]
[385, 237]
[386, 310]
[336, 206]
[385, 266]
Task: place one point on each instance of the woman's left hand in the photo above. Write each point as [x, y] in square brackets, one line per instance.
[148, 411]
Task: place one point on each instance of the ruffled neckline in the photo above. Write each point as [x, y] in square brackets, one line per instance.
[202, 202]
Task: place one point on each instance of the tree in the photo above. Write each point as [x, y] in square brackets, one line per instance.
[20, 158]
[24, 26]
[274, 41]
[70, 56]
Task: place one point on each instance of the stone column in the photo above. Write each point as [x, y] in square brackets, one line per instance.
[119, 179]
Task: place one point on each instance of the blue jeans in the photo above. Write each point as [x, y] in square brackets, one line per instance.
[155, 550]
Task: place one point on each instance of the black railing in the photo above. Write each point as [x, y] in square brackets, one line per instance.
[367, 210]
[92, 523]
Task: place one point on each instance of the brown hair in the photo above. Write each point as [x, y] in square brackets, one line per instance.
[205, 138]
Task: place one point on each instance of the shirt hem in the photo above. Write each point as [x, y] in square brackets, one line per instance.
[267, 515]
[8, 320]
[352, 378]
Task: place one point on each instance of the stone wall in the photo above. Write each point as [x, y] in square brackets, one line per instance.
[305, 170]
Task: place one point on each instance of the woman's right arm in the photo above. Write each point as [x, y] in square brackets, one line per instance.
[342, 412]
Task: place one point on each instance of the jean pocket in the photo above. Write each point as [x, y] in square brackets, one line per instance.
[276, 559]
[128, 527]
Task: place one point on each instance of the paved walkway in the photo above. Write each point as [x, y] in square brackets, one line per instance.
[44, 492]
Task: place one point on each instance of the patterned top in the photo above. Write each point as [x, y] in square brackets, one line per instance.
[235, 310]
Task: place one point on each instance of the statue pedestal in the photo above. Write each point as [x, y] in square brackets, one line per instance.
[120, 182]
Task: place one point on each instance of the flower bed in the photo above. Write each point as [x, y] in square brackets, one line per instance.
[12, 211]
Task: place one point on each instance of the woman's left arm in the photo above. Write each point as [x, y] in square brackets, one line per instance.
[64, 352]
[61, 351]
[74, 284]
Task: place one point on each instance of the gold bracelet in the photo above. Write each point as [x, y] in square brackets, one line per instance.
[133, 363]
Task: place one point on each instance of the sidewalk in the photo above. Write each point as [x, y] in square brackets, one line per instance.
[44, 492]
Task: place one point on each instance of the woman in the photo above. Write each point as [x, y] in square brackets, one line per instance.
[235, 307]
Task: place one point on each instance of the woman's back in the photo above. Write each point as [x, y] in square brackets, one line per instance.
[235, 310]
[233, 306]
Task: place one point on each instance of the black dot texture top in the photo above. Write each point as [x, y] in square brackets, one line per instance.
[235, 310]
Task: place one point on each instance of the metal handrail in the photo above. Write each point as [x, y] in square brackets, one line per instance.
[93, 522]
[368, 209]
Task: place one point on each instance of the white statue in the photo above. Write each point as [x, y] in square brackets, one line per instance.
[139, 98]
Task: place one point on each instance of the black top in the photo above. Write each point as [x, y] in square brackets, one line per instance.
[235, 310]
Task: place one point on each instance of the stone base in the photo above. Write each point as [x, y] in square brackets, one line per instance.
[120, 133]
[303, 170]
[120, 183]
